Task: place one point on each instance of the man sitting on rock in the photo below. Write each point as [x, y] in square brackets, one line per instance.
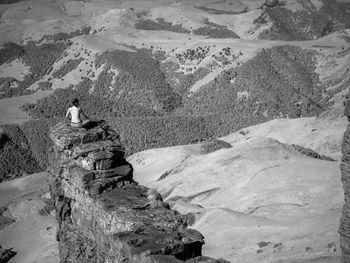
[76, 113]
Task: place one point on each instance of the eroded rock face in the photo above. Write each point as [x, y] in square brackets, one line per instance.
[103, 215]
[310, 153]
[344, 229]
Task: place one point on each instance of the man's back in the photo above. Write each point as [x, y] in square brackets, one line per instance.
[75, 114]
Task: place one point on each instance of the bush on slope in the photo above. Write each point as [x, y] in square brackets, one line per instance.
[160, 24]
[14, 133]
[214, 145]
[30, 141]
[142, 133]
[213, 30]
[65, 36]
[16, 161]
[39, 58]
[39, 142]
[139, 80]
[278, 82]
[16, 157]
[139, 134]
[56, 105]
[307, 24]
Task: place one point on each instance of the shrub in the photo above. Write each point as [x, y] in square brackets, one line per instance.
[15, 161]
[44, 85]
[214, 145]
[214, 30]
[64, 36]
[198, 54]
[37, 135]
[16, 135]
[160, 24]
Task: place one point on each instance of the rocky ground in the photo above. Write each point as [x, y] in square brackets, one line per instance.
[259, 199]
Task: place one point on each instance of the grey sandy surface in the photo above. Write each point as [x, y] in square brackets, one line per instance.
[32, 236]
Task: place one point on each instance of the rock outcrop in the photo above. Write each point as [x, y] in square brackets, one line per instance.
[103, 215]
[344, 229]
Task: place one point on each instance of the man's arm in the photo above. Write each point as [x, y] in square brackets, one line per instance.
[67, 114]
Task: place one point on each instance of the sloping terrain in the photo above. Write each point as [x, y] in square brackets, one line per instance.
[259, 200]
[32, 235]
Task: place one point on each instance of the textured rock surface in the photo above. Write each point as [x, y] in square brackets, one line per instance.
[6, 254]
[344, 229]
[103, 215]
[310, 153]
[4, 220]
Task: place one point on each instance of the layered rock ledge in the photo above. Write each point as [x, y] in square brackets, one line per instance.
[103, 215]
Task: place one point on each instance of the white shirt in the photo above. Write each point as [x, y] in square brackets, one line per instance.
[74, 113]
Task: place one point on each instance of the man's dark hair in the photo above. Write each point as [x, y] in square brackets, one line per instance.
[75, 102]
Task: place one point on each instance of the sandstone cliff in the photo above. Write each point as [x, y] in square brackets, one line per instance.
[103, 215]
